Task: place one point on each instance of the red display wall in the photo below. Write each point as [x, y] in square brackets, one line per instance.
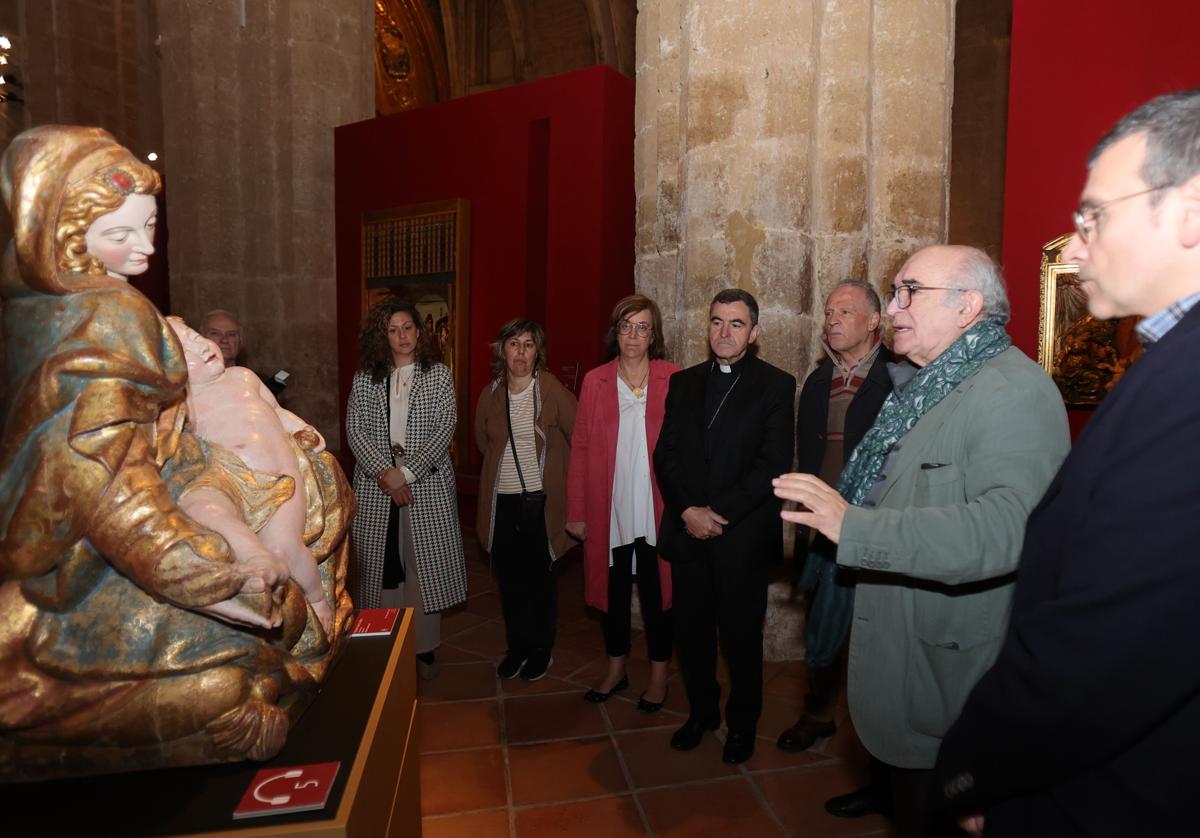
[1076, 69]
[548, 169]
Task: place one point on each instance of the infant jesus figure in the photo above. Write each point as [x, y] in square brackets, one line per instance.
[231, 408]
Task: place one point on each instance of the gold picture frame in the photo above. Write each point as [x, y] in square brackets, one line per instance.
[1084, 356]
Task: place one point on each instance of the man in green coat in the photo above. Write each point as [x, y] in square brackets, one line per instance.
[931, 512]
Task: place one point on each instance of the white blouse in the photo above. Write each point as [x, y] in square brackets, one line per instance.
[399, 388]
[632, 505]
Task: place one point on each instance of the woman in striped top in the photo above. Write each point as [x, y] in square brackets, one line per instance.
[523, 425]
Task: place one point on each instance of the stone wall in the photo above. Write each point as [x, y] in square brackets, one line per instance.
[83, 63]
[79, 62]
[249, 114]
[783, 146]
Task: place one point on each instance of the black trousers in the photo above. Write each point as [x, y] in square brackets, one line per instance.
[620, 589]
[726, 596]
[909, 792]
[528, 593]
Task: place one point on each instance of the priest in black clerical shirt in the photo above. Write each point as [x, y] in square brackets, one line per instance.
[727, 432]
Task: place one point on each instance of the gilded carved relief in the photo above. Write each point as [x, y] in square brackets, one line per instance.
[1083, 355]
[131, 636]
[410, 63]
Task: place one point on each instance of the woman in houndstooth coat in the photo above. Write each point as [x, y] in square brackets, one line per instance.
[399, 422]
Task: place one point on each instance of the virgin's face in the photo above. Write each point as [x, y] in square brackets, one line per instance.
[124, 238]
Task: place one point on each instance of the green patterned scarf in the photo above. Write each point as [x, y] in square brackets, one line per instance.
[902, 410]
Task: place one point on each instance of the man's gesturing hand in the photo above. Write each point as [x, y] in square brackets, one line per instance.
[821, 506]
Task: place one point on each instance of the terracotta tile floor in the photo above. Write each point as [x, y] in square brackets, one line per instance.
[507, 758]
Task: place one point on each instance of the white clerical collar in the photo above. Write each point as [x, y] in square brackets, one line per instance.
[725, 367]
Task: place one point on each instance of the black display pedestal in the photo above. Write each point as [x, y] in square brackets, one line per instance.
[363, 717]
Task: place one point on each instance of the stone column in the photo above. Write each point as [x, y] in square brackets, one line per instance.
[249, 112]
[782, 146]
[724, 107]
[912, 90]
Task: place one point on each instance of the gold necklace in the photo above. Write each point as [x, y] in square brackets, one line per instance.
[638, 389]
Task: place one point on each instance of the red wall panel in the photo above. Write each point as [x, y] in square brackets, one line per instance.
[548, 169]
[1076, 69]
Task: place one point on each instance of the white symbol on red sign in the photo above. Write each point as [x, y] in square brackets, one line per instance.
[274, 791]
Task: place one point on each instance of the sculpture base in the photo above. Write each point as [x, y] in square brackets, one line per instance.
[364, 718]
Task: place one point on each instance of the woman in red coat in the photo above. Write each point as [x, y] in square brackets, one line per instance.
[613, 503]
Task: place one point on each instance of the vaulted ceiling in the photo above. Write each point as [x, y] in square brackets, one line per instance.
[430, 50]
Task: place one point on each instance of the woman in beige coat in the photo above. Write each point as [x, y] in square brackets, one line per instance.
[523, 425]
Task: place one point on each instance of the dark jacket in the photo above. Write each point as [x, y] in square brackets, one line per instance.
[1089, 719]
[750, 443]
[812, 421]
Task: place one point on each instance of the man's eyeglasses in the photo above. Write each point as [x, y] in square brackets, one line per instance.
[1087, 220]
[643, 329]
[902, 294]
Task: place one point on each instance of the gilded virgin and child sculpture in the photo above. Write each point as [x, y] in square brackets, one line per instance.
[155, 607]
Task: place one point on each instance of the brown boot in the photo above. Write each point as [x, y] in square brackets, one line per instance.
[816, 723]
[804, 734]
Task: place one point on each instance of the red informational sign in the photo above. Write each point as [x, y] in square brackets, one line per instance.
[372, 622]
[275, 791]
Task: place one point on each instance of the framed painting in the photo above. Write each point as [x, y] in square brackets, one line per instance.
[1083, 355]
[422, 253]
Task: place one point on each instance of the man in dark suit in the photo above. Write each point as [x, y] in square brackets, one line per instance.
[726, 433]
[838, 404]
[1088, 722]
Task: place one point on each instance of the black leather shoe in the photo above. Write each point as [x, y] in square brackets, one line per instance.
[856, 804]
[692, 732]
[804, 734]
[510, 666]
[739, 747]
[597, 697]
[536, 667]
[652, 706]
